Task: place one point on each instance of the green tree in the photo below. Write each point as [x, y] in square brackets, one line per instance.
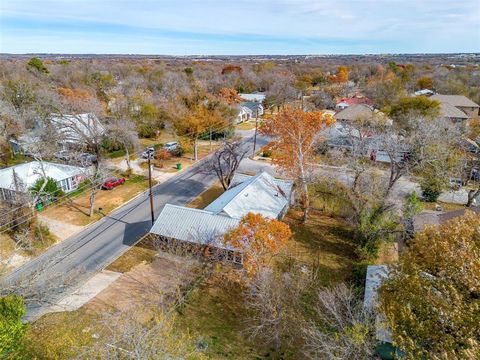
[12, 329]
[37, 64]
[431, 300]
[416, 106]
[424, 82]
[46, 188]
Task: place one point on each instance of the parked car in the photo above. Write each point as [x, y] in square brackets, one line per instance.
[86, 159]
[171, 146]
[112, 182]
[62, 155]
[148, 153]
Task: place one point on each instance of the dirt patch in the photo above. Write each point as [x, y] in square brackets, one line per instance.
[147, 285]
[205, 198]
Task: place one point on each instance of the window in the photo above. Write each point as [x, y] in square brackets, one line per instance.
[64, 184]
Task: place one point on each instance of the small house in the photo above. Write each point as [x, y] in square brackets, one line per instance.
[202, 230]
[20, 178]
[460, 102]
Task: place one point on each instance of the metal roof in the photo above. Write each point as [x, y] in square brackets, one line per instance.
[193, 225]
[29, 173]
[260, 194]
[258, 97]
[375, 275]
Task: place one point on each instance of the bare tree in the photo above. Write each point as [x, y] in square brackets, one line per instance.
[226, 161]
[123, 130]
[342, 328]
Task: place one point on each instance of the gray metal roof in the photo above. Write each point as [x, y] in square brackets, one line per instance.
[193, 225]
[260, 194]
[375, 275]
[252, 105]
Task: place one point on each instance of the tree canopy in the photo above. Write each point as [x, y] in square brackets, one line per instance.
[432, 299]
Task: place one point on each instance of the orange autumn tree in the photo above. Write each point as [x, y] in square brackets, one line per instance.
[229, 95]
[296, 134]
[259, 239]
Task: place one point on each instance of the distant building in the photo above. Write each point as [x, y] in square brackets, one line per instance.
[256, 96]
[359, 112]
[243, 113]
[259, 194]
[356, 99]
[255, 107]
[460, 102]
[20, 178]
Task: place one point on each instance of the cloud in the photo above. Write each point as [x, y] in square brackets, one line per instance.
[242, 26]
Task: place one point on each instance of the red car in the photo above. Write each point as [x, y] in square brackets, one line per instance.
[112, 182]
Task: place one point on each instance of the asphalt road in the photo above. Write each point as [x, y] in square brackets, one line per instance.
[69, 264]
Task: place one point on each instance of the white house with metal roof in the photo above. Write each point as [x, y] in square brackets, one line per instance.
[258, 97]
[259, 194]
[20, 178]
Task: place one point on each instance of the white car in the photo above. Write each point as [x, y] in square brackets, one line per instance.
[148, 153]
[171, 146]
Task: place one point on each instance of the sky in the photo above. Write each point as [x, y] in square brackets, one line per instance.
[239, 27]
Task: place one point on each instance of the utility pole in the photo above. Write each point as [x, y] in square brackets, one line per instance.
[150, 186]
[255, 136]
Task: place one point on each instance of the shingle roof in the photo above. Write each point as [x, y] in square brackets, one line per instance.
[355, 112]
[455, 100]
[449, 111]
[193, 225]
[260, 194]
[29, 173]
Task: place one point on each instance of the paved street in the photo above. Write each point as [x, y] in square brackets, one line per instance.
[79, 257]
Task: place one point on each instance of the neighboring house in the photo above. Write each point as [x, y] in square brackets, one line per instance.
[256, 97]
[259, 194]
[374, 278]
[255, 107]
[359, 112]
[356, 99]
[243, 114]
[460, 102]
[435, 218]
[72, 132]
[20, 178]
[424, 92]
[452, 113]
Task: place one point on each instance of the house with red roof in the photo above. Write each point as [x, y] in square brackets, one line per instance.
[356, 99]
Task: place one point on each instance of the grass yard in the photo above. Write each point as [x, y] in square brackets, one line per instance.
[247, 125]
[445, 206]
[62, 335]
[75, 211]
[215, 312]
[207, 196]
[142, 252]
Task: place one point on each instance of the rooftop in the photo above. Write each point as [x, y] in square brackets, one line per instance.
[455, 100]
[260, 194]
[29, 173]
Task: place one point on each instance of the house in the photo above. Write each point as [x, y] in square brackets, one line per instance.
[376, 274]
[356, 99]
[359, 112]
[256, 97]
[435, 218]
[205, 228]
[452, 113]
[72, 130]
[243, 114]
[255, 107]
[460, 102]
[20, 178]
